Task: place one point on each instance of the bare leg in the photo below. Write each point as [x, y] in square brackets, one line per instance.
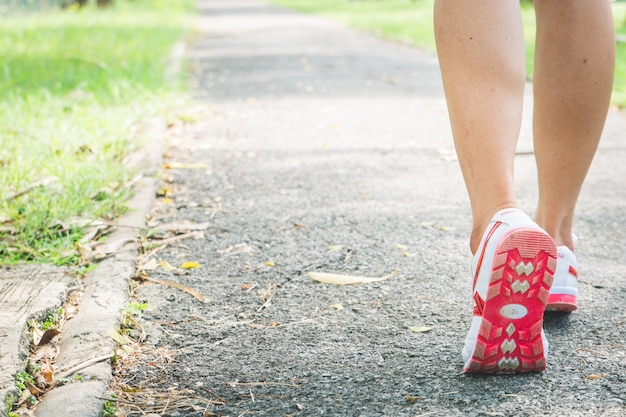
[480, 45]
[574, 64]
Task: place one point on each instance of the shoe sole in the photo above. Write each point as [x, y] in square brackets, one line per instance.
[510, 335]
[562, 302]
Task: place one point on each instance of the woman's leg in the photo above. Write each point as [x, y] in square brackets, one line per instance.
[574, 64]
[480, 44]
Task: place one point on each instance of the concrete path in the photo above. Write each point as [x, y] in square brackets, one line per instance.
[323, 149]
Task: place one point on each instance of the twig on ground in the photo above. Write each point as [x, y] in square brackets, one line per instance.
[42, 183]
[181, 287]
[161, 243]
[84, 365]
[260, 384]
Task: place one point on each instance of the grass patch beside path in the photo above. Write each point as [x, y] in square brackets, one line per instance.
[411, 21]
[72, 85]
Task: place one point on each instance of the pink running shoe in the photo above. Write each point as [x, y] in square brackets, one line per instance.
[513, 271]
[565, 287]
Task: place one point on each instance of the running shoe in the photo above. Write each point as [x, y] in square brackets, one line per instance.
[513, 271]
[565, 287]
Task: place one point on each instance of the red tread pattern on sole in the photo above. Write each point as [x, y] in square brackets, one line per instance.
[509, 339]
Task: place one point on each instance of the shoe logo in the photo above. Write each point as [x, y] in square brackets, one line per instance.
[514, 311]
[508, 346]
[525, 269]
[508, 363]
[505, 212]
[520, 286]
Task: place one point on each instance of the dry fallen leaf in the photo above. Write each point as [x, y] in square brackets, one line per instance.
[270, 263]
[32, 388]
[47, 370]
[337, 306]
[47, 336]
[338, 279]
[85, 252]
[163, 192]
[178, 165]
[183, 226]
[400, 247]
[151, 265]
[594, 376]
[412, 399]
[238, 248]
[166, 266]
[420, 329]
[403, 248]
[335, 247]
[118, 337]
[427, 224]
[190, 265]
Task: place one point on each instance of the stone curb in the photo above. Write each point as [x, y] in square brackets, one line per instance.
[84, 339]
[26, 292]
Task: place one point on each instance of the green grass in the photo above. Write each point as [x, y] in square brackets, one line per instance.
[411, 21]
[407, 21]
[73, 84]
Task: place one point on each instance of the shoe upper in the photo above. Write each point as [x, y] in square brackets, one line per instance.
[566, 274]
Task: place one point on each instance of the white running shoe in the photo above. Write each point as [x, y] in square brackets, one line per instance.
[565, 287]
[513, 271]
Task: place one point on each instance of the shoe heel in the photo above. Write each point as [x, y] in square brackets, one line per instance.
[510, 338]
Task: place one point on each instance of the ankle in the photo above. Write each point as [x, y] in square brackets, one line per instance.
[481, 222]
[560, 228]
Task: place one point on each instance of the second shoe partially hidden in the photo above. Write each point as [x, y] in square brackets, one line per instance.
[513, 272]
[564, 290]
